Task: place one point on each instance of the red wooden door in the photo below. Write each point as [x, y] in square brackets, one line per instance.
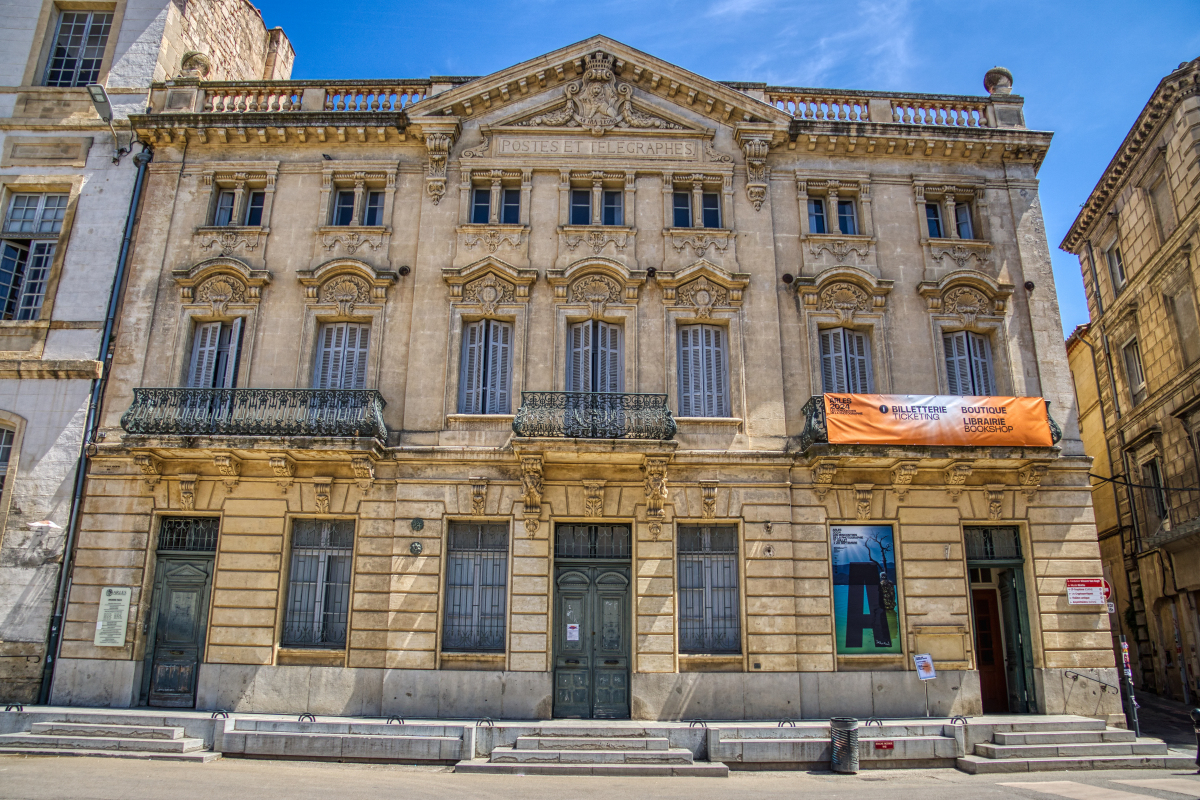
[989, 652]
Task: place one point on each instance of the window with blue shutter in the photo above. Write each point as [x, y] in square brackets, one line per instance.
[703, 371]
[846, 361]
[216, 354]
[342, 356]
[968, 364]
[485, 383]
[595, 357]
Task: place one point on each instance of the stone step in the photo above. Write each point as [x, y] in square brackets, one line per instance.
[201, 756]
[542, 742]
[1035, 724]
[334, 746]
[1066, 737]
[978, 765]
[20, 740]
[484, 767]
[1140, 747]
[105, 731]
[511, 755]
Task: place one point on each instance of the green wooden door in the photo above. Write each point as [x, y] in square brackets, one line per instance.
[591, 641]
[178, 620]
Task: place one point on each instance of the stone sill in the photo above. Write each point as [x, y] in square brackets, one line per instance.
[66, 369]
[305, 657]
[314, 445]
[708, 424]
[864, 455]
[472, 661]
[939, 630]
[733, 662]
[479, 422]
[982, 244]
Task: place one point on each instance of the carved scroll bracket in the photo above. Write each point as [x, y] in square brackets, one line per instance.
[708, 495]
[321, 487]
[902, 478]
[863, 493]
[364, 472]
[150, 466]
[1031, 479]
[822, 475]
[478, 496]
[956, 479]
[285, 471]
[230, 468]
[593, 498]
[187, 492]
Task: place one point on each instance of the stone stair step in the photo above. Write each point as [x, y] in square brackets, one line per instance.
[1066, 737]
[701, 770]
[342, 745]
[21, 740]
[105, 731]
[201, 756]
[512, 755]
[543, 742]
[1140, 747]
[978, 765]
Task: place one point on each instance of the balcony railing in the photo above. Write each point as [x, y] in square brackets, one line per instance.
[256, 412]
[594, 415]
[815, 431]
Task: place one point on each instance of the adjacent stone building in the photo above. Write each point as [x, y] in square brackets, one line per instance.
[1137, 367]
[493, 397]
[65, 197]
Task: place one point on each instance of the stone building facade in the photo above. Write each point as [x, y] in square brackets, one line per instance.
[65, 202]
[1138, 363]
[491, 397]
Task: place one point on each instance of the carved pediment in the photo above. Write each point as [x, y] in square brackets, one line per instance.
[346, 283]
[703, 286]
[596, 282]
[221, 282]
[844, 292]
[489, 283]
[967, 295]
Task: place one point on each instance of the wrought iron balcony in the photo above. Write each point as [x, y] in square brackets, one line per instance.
[256, 412]
[594, 415]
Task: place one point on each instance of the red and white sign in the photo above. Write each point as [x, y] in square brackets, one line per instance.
[1086, 591]
[885, 744]
[1107, 590]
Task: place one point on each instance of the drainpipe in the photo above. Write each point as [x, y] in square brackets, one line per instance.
[54, 637]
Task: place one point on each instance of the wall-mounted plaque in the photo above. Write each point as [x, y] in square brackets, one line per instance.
[113, 617]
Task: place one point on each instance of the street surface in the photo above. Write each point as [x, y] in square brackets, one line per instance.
[64, 778]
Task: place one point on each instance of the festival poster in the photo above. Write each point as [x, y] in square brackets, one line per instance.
[865, 601]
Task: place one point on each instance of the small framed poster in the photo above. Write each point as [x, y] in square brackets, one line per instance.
[865, 601]
[924, 665]
[572, 632]
[113, 616]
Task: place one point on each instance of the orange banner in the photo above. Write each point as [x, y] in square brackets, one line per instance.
[937, 420]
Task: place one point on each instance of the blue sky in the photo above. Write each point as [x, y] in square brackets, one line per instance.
[1084, 68]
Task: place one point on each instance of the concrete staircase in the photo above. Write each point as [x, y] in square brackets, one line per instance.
[345, 741]
[114, 741]
[604, 752]
[807, 745]
[1081, 744]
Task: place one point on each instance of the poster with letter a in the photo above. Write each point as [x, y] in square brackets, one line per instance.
[865, 601]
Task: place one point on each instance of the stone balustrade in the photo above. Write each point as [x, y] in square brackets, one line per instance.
[953, 113]
[241, 97]
[815, 106]
[374, 97]
[253, 97]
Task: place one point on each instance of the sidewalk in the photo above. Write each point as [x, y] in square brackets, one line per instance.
[1166, 719]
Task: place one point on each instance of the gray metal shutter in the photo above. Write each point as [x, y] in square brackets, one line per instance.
[579, 358]
[833, 361]
[499, 379]
[958, 363]
[690, 369]
[204, 355]
[358, 341]
[610, 367]
[858, 363]
[981, 365]
[471, 373]
[234, 356]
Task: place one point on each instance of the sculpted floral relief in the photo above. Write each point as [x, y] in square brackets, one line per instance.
[967, 303]
[844, 298]
[489, 291]
[597, 291]
[220, 291]
[345, 291]
[703, 294]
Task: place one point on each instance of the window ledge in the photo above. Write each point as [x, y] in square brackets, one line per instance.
[479, 422]
[726, 232]
[944, 242]
[472, 661]
[500, 226]
[708, 424]
[830, 237]
[233, 229]
[711, 662]
[310, 657]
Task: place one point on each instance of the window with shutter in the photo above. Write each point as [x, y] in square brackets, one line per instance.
[205, 341]
[833, 360]
[499, 368]
[858, 362]
[486, 382]
[470, 383]
[846, 361]
[579, 358]
[342, 356]
[703, 371]
[595, 358]
[968, 364]
[981, 365]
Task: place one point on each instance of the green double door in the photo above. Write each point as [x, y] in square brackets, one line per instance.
[591, 639]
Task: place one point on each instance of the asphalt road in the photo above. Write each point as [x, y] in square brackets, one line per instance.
[62, 778]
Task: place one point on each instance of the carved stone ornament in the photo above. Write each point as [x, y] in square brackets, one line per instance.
[862, 500]
[1031, 479]
[187, 492]
[967, 303]
[219, 291]
[364, 472]
[352, 241]
[961, 254]
[956, 478]
[756, 171]
[345, 291]
[845, 299]
[478, 496]
[599, 103]
[194, 64]
[227, 241]
[902, 478]
[230, 468]
[593, 498]
[597, 291]
[531, 484]
[711, 154]
[478, 151]
[656, 530]
[438, 147]
[703, 294]
[597, 240]
[840, 249]
[150, 466]
[823, 474]
[321, 488]
[655, 470]
[700, 243]
[708, 497]
[489, 291]
[531, 525]
[492, 238]
[285, 471]
[995, 498]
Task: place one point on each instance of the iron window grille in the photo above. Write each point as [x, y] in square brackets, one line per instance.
[78, 49]
[593, 541]
[189, 534]
[709, 617]
[318, 603]
[1001, 543]
[476, 587]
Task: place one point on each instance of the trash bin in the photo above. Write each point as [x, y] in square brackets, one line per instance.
[844, 752]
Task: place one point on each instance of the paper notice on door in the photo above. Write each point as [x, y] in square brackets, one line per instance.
[572, 633]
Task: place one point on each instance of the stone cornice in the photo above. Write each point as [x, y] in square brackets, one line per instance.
[53, 369]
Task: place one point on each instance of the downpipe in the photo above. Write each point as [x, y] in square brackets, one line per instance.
[54, 637]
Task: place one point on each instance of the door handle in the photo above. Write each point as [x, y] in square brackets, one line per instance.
[176, 652]
[612, 661]
[572, 660]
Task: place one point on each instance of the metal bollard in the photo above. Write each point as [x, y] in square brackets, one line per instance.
[1196, 728]
[843, 733]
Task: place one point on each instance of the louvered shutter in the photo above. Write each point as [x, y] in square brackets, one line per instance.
[610, 365]
[235, 353]
[579, 358]
[354, 364]
[858, 363]
[204, 355]
[981, 365]
[833, 361]
[689, 371]
[716, 381]
[958, 365]
[471, 372]
[499, 385]
[329, 356]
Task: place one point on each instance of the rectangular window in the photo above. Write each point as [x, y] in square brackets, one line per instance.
[223, 215]
[1183, 308]
[581, 207]
[1116, 266]
[683, 209]
[373, 213]
[1134, 374]
[816, 215]
[1164, 206]
[343, 209]
[1154, 496]
[710, 204]
[962, 219]
[969, 364]
[510, 208]
[595, 361]
[703, 371]
[476, 585]
[35, 213]
[846, 361]
[216, 353]
[78, 48]
[254, 208]
[485, 384]
[342, 349]
[614, 208]
[481, 206]
[6, 443]
[933, 219]
[709, 616]
[847, 219]
[318, 599]
[24, 273]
